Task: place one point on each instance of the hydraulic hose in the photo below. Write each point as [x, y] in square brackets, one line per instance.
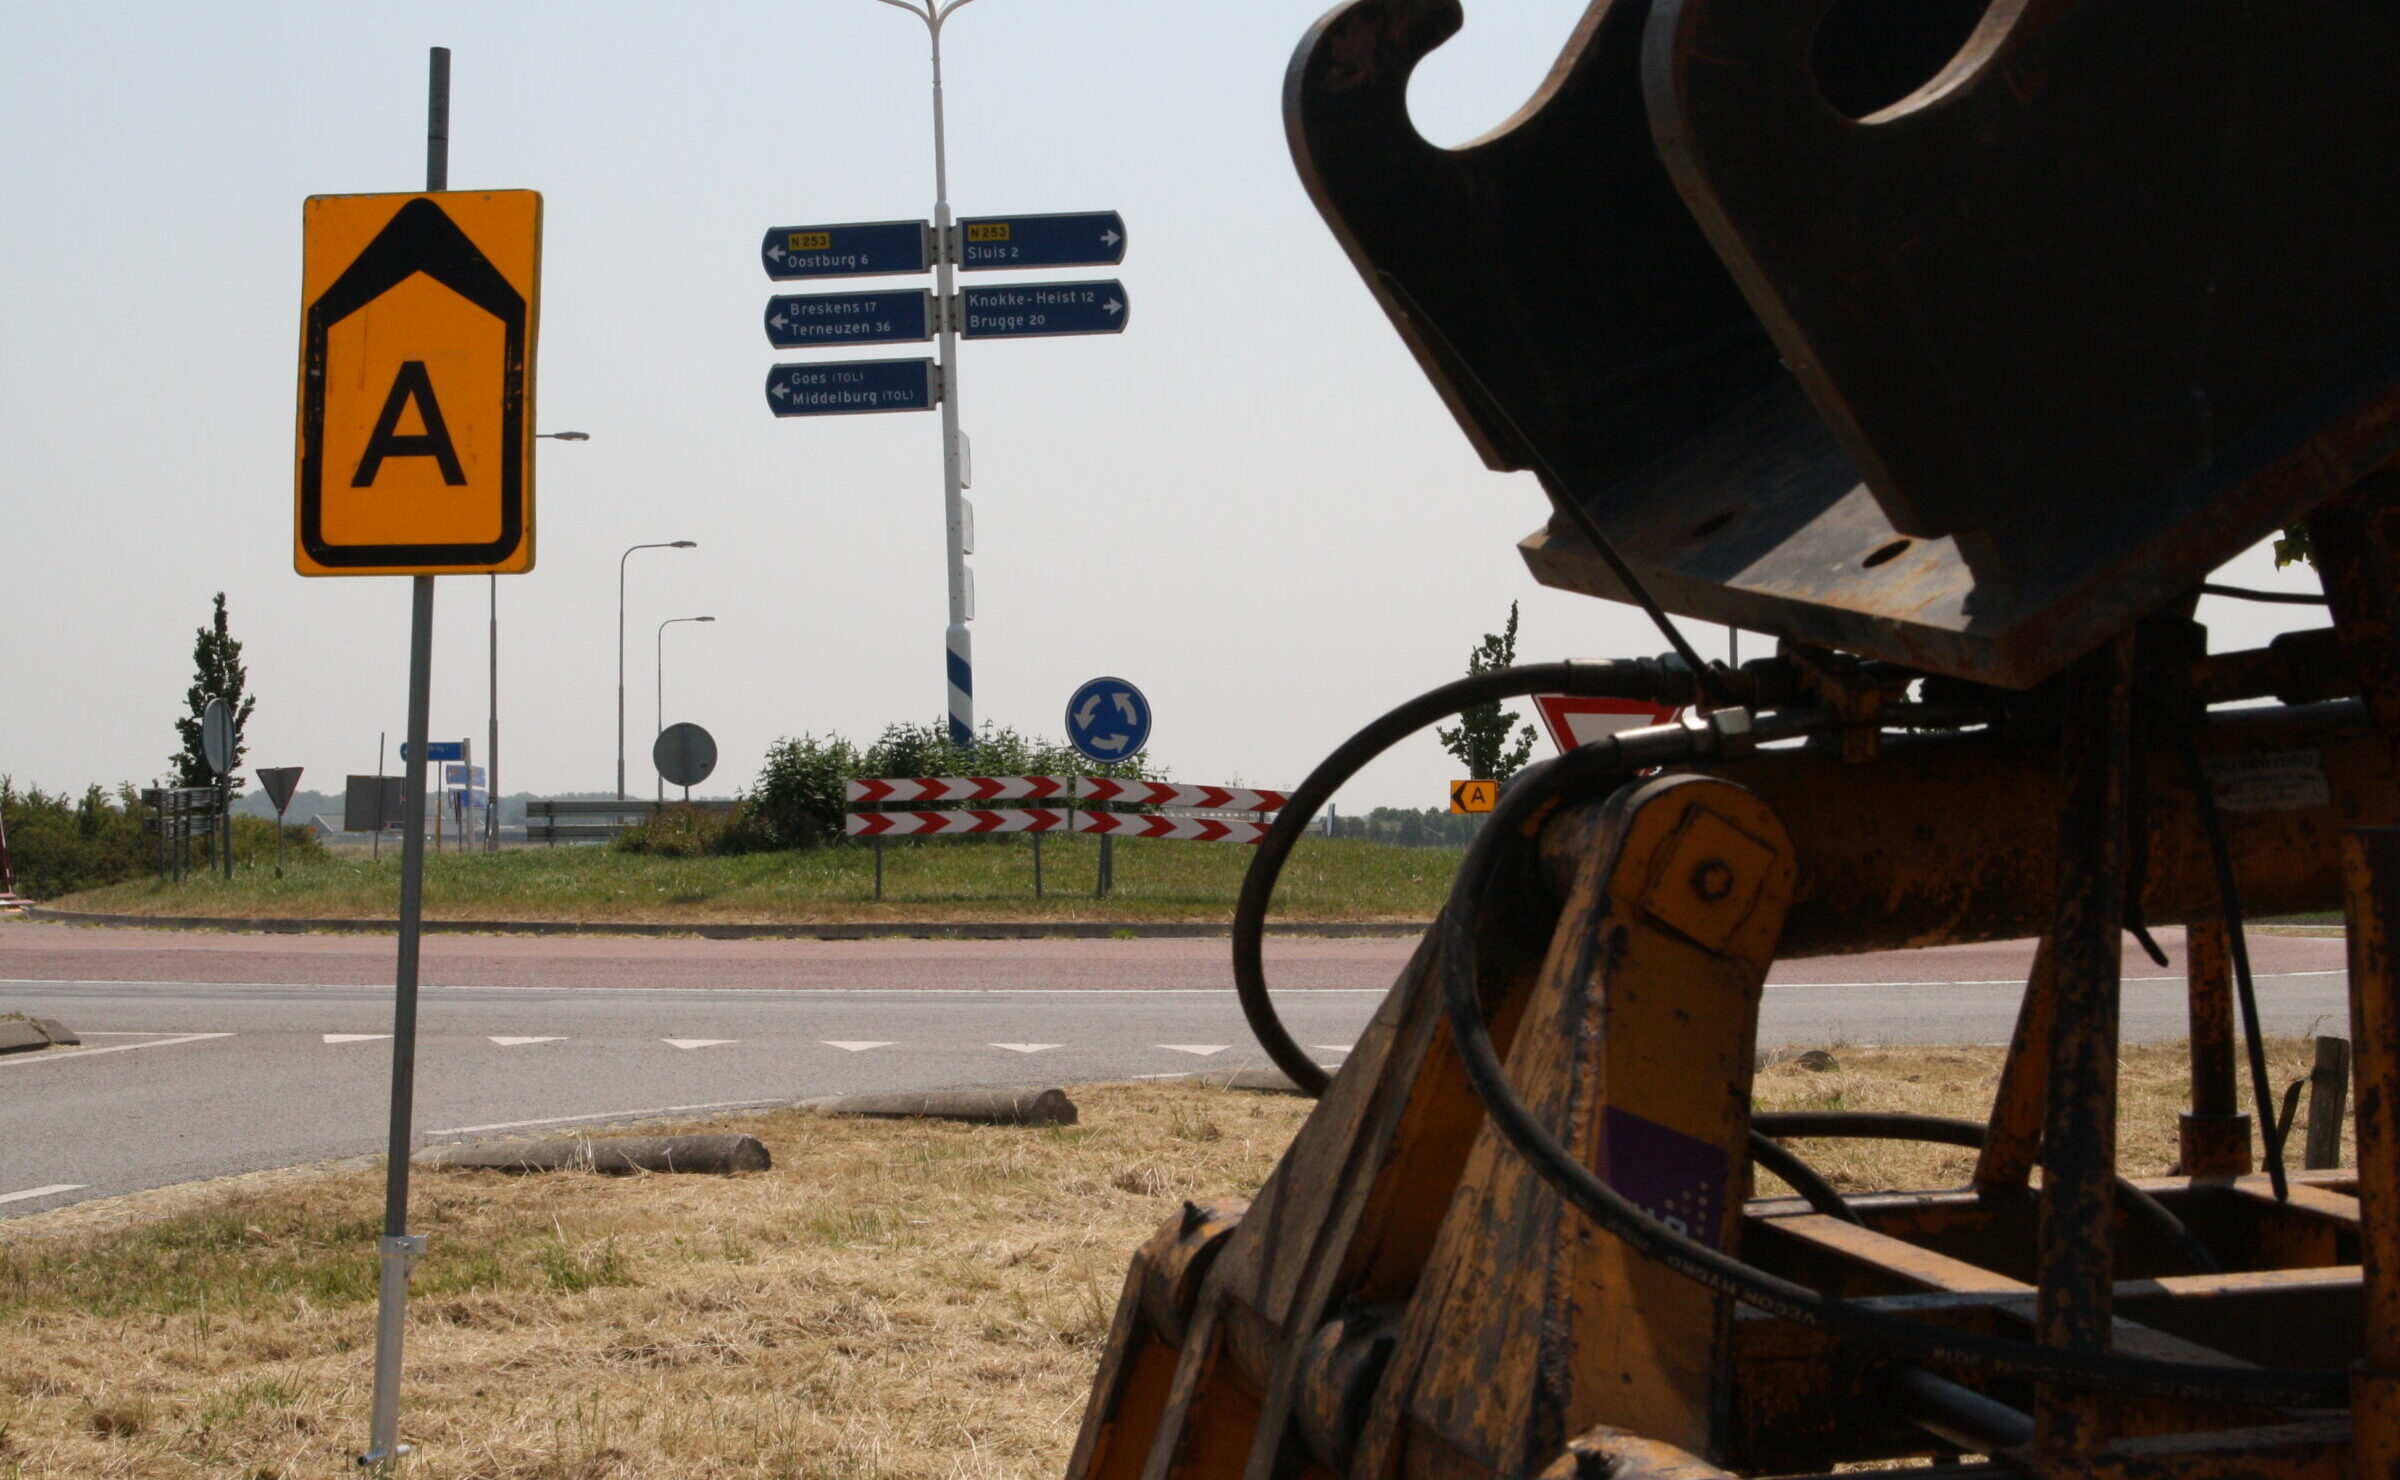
[1941, 1130]
[1656, 681]
[1705, 1264]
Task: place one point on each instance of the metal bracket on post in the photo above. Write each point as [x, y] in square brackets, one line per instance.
[399, 1254]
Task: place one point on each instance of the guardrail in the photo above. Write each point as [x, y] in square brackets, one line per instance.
[596, 822]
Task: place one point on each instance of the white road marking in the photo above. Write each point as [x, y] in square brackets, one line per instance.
[692, 1043]
[1331, 1047]
[85, 1053]
[354, 1037]
[33, 1192]
[2018, 981]
[510, 1125]
[855, 1045]
[1027, 1047]
[746, 992]
[1201, 1049]
[508, 1042]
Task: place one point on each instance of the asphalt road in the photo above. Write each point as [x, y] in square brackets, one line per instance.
[208, 1054]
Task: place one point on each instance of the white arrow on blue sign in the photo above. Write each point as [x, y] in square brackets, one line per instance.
[1072, 239]
[1034, 310]
[853, 249]
[851, 386]
[1108, 720]
[881, 316]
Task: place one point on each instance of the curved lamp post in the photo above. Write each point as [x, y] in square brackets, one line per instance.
[660, 723]
[621, 559]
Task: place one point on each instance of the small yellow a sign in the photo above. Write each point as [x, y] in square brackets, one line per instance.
[1473, 796]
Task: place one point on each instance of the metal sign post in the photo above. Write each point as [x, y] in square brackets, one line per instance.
[419, 313]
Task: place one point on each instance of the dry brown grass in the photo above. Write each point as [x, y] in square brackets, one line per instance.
[901, 1299]
[894, 1299]
[2153, 1082]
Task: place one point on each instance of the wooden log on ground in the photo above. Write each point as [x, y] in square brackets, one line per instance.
[975, 1106]
[612, 1156]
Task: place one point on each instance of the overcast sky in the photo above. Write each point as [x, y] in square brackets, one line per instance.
[1250, 503]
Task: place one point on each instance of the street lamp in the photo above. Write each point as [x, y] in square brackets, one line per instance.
[621, 559]
[491, 758]
[661, 722]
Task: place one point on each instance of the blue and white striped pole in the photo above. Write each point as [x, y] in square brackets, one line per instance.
[960, 654]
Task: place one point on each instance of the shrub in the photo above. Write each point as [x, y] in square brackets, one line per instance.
[59, 846]
[677, 832]
[254, 843]
[797, 801]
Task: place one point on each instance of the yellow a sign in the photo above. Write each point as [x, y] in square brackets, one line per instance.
[1473, 796]
[418, 315]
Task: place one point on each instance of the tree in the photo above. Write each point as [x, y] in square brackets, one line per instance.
[1481, 740]
[217, 673]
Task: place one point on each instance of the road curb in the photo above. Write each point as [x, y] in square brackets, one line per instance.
[864, 930]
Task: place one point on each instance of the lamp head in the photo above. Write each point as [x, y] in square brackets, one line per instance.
[683, 544]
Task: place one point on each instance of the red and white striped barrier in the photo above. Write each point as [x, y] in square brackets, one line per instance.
[958, 788]
[1165, 794]
[928, 824]
[1195, 829]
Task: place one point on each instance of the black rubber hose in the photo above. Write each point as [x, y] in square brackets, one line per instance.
[1714, 1270]
[1942, 1130]
[1650, 680]
[1806, 1180]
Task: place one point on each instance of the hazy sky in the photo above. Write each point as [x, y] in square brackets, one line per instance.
[1250, 503]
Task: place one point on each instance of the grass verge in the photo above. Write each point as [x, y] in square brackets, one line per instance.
[910, 1300]
[957, 880]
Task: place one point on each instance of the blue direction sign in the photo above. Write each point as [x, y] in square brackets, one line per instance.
[883, 316]
[1108, 720]
[857, 249]
[438, 750]
[1032, 309]
[851, 385]
[1078, 239]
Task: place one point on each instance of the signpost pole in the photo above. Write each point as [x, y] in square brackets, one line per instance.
[1108, 850]
[960, 652]
[491, 759]
[397, 1248]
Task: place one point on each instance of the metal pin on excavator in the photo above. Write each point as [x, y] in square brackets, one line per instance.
[1954, 343]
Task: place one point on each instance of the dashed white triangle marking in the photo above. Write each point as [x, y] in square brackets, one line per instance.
[692, 1043]
[354, 1037]
[1202, 1049]
[507, 1042]
[855, 1045]
[1027, 1047]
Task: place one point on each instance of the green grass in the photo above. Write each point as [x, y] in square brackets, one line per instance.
[1156, 880]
